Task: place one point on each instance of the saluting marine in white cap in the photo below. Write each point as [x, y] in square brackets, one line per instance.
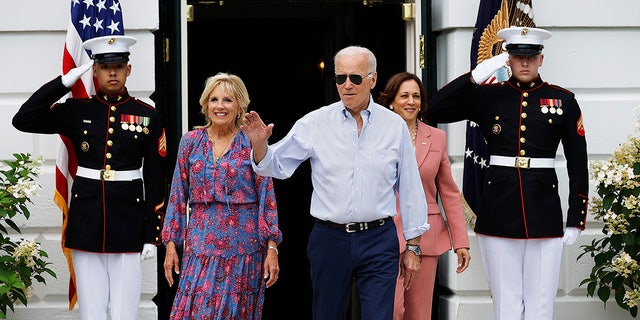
[116, 210]
[520, 219]
[109, 49]
[524, 41]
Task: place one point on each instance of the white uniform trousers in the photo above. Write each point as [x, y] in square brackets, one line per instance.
[522, 275]
[108, 281]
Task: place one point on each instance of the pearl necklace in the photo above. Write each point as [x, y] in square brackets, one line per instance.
[414, 133]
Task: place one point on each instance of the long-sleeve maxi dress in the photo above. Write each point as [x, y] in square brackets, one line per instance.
[224, 214]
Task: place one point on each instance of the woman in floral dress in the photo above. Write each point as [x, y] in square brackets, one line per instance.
[223, 214]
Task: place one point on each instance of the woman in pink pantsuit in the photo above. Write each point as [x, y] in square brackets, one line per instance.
[404, 94]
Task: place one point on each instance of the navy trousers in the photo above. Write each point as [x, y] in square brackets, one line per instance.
[337, 258]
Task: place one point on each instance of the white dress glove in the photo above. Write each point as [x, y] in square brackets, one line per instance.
[148, 251]
[487, 67]
[570, 236]
[74, 74]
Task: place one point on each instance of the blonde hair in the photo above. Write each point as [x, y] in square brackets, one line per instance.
[231, 84]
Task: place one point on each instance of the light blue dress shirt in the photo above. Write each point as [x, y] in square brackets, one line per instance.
[355, 178]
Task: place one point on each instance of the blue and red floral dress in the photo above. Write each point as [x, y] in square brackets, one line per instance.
[224, 214]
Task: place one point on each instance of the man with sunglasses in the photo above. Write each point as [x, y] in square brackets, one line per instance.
[520, 220]
[362, 164]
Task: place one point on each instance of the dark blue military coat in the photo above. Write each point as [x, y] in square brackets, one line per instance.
[106, 216]
[522, 120]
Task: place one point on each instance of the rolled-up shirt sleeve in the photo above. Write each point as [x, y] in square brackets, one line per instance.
[413, 202]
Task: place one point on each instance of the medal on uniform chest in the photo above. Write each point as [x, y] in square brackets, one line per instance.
[134, 123]
[138, 121]
[553, 106]
[126, 121]
[145, 124]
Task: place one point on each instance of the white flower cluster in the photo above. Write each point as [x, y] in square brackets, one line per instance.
[615, 223]
[23, 264]
[27, 251]
[24, 188]
[616, 178]
[614, 174]
[617, 206]
[632, 203]
[624, 265]
[632, 297]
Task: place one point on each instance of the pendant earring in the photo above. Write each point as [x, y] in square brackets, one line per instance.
[237, 116]
[390, 107]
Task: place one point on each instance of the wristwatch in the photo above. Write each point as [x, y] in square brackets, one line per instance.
[415, 249]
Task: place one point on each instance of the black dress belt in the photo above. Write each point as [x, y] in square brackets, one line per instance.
[355, 226]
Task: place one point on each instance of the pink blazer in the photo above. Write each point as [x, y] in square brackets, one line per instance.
[435, 172]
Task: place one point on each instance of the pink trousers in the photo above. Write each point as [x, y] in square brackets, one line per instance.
[415, 303]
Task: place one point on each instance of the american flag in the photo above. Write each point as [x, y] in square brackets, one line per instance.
[88, 19]
[493, 15]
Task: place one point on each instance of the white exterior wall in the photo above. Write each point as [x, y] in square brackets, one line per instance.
[32, 35]
[592, 53]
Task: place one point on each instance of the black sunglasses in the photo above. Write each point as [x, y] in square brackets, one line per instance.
[354, 78]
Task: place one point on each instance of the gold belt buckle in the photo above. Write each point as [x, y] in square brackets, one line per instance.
[107, 175]
[523, 162]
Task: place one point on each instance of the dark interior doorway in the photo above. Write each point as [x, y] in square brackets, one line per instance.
[277, 48]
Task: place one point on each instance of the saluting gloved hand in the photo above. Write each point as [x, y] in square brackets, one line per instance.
[570, 236]
[487, 67]
[148, 251]
[74, 74]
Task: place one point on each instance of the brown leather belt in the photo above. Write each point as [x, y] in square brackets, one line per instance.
[355, 226]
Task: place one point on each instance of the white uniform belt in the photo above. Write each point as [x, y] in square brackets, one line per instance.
[522, 162]
[109, 175]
